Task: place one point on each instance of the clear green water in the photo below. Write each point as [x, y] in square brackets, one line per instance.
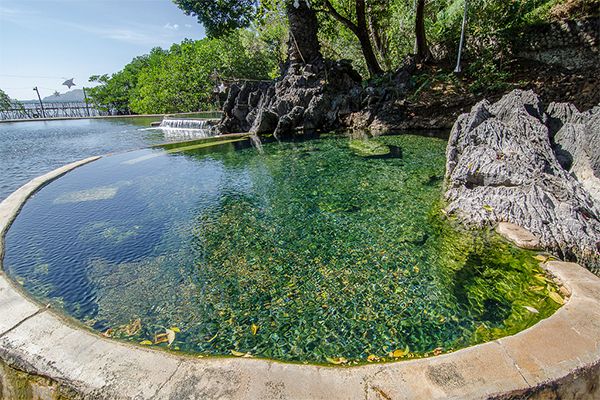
[306, 252]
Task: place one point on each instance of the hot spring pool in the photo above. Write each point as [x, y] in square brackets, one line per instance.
[303, 252]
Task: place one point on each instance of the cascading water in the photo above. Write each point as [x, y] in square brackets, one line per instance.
[187, 128]
[184, 123]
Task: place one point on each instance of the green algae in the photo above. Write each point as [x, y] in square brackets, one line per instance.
[306, 252]
[368, 148]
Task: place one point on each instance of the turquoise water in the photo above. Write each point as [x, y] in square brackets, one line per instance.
[30, 149]
[304, 252]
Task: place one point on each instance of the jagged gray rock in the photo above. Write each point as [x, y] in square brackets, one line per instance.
[576, 139]
[502, 167]
[322, 96]
[306, 98]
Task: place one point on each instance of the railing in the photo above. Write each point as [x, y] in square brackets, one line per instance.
[51, 110]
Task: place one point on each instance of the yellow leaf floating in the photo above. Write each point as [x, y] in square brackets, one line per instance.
[175, 329]
[237, 353]
[213, 338]
[556, 298]
[133, 328]
[399, 353]
[146, 342]
[161, 338]
[337, 361]
[170, 336]
[254, 329]
[372, 358]
[488, 208]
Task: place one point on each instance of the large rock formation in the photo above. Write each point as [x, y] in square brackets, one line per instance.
[307, 97]
[323, 95]
[517, 161]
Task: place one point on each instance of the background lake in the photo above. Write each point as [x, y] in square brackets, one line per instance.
[30, 149]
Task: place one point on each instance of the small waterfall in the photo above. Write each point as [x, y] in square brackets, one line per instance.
[187, 128]
[184, 123]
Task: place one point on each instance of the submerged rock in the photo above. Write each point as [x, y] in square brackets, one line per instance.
[368, 148]
[502, 166]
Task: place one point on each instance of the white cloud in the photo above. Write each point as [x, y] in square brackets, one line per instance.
[170, 27]
[188, 26]
[15, 15]
[136, 34]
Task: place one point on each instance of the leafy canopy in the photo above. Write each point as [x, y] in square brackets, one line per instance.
[220, 17]
[181, 79]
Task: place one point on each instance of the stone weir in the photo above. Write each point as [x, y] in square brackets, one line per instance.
[537, 167]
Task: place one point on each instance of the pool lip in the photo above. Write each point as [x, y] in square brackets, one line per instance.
[39, 341]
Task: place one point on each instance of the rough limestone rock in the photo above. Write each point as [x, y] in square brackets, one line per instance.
[576, 138]
[306, 98]
[324, 95]
[502, 167]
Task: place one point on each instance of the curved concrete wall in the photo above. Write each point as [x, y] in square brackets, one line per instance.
[557, 358]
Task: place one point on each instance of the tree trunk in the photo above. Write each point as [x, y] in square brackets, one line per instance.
[362, 32]
[422, 49]
[304, 45]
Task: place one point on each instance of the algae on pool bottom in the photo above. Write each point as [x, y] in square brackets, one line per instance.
[305, 252]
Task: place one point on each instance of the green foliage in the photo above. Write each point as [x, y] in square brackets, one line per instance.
[5, 102]
[114, 92]
[181, 79]
[221, 17]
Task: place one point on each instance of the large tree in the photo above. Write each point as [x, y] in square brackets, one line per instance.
[221, 16]
[356, 19]
[421, 48]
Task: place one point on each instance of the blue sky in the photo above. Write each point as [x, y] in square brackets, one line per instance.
[44, 41]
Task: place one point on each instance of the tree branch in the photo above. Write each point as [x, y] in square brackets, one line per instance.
[330, 9]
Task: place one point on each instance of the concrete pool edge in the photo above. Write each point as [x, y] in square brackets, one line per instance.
[560, 354]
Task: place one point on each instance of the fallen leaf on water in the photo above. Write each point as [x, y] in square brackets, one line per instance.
[556, 298]
[372, 358]
[531, 309]
[161, 338]
[237, 353]
[175, 329]
[254, 329]
[213, 338]
[134, 327]
[488, 208]
[399, 353]
[336, 361]
[146, 342]
[170, 336]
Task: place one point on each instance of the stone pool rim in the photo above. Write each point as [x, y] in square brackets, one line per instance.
[556, 352]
